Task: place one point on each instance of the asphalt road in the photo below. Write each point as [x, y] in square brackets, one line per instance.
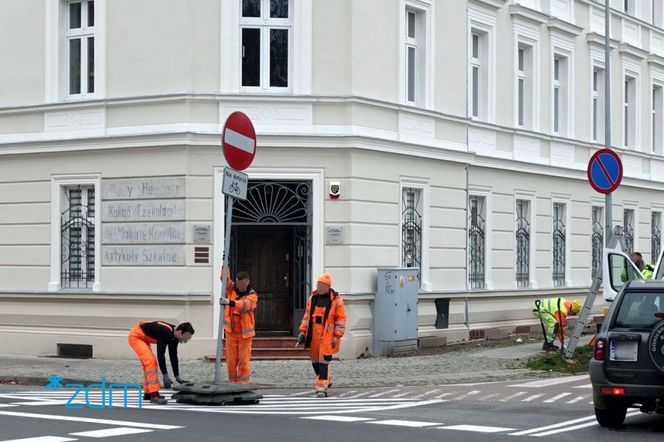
[552, 409]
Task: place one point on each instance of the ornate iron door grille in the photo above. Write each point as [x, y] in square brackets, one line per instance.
[656, 238]
[77, 231]
[411, 229]
[559, 244]
[628, 229]
[522, 243]
[280, 203]
[476, 242]
[597, 239]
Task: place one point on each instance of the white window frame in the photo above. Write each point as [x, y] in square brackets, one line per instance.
[562, 85]
[597, 134]
[300, 43]
[657, 117]
[568, 234]
[635, 212]
[423, 186]
[58, 185]
[629, 7]
[265, 24]
[525, 38]
[532, 200]
[424, 55]
[657, 13]
[653, 210]
[486, 193]
[483, 23]
[56, 50]
[631, 119]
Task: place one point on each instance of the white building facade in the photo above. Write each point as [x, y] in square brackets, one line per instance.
[457, 133]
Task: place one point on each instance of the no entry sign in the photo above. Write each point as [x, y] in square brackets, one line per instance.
[605, 171]
[238, 141]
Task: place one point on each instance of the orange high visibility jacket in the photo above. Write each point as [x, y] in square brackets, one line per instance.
[334, 320]
[244, 306]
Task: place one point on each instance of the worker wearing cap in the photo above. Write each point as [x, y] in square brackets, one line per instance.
[553, 313]
[321, 330]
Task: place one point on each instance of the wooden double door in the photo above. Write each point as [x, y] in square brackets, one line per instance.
[266, 253]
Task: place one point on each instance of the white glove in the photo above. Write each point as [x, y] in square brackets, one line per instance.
[224, 301]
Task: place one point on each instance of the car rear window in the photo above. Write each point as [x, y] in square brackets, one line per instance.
[637, 310]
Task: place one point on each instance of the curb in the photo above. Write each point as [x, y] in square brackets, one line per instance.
[40, 381]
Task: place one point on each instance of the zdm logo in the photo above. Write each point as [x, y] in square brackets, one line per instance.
[55, 383]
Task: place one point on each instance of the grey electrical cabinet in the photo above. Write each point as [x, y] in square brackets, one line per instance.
[395, 311]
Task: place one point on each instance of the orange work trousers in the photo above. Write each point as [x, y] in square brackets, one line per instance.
[238, 353]
[320, 364]
[140, 343]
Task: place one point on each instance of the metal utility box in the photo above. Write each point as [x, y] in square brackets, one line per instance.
[395, 311]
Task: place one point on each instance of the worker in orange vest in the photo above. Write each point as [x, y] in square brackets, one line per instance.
[164, 335]
[239, 324]
[322, 327]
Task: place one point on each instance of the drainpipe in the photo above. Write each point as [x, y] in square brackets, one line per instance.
[466, 169]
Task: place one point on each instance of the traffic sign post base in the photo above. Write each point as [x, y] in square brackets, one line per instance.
[217, 394]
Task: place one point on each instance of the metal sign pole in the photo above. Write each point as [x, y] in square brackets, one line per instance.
[608, 203]
[224, 267]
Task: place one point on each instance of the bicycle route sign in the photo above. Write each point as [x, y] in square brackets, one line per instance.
[235, 183]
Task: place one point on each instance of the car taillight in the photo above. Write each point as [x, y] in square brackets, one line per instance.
[600, 349]
[613, 391]
[660, 315]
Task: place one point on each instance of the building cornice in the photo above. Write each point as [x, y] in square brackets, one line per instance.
[494, 4]
[563, 27]
[632, 51]
[520, 12]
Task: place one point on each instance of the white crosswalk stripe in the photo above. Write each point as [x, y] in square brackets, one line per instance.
[270, 404]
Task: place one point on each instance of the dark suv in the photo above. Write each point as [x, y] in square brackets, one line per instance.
[627, 368]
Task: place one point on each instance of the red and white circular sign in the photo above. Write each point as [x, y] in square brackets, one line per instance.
[238, 141]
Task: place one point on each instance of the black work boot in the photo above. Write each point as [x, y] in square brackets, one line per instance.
[157, 399]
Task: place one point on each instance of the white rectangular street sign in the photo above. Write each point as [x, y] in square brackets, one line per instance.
[235, 183]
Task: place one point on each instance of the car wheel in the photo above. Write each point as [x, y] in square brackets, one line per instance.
[612, 417]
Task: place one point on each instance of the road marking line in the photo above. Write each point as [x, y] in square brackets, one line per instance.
[555, 398]
[575, 427]
[464, 396]
[302, 393]
[489, 396]
[549, 427]
[111, 432]
[348, 393]
[339, 418]
[89, 420]
[440, 396]
[426, 393]
[359, 395]
[384, 393]
[401, 394]
[43, 439]
[551, 382]
[40, 403]
[400, 423]
[583, 386]
[577, 399]
[7, 405]
[476, 428]
[515, 395]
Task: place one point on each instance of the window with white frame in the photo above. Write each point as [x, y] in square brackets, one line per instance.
[522, 244]
[656, 118]
[415, 56]
[559, 244]
[479, 66]
[266, 34]
[598, 105]
[411, 227]
[77, 228]
[525, 86]
[477, 242]
[628, 229]
[560, 95]
[629, 7]
[629, 112]
[656, 9]
[80, 46]
[655, 236]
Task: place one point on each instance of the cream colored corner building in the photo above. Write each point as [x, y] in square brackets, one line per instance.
[455, 133]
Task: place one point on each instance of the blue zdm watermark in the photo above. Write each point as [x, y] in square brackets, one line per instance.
[55, 382]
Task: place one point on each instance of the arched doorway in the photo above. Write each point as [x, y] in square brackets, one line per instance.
[271, 239]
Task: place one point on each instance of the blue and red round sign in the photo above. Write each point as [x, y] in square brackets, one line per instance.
[605, 171]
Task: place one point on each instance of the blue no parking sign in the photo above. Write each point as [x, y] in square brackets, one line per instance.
[605, 171]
